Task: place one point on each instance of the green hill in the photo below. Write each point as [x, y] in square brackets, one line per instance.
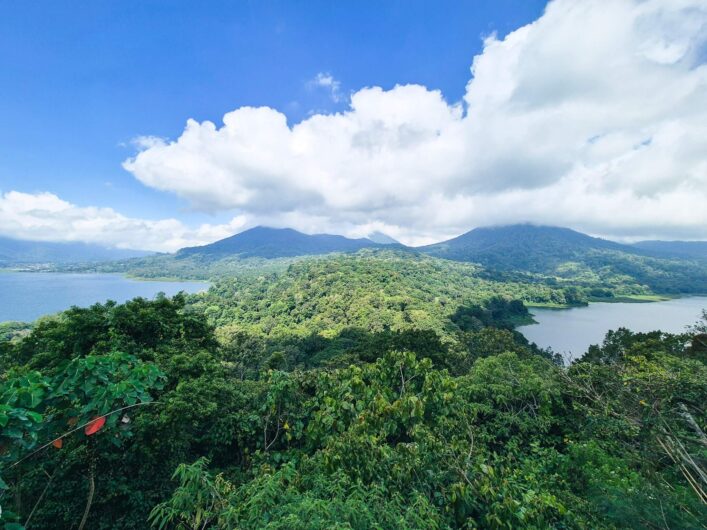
[564, 253]
[373, 290]
[522, 247]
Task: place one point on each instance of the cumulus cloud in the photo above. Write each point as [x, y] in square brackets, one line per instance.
[327, 82]
[594, 116]
[46, 217]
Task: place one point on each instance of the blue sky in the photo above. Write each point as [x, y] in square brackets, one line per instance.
[80, 80]
[418, 119]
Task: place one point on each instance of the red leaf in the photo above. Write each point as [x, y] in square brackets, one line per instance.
[95, 426]
[58, 443]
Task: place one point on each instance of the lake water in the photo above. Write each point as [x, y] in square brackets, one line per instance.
[571, 331]
[25, 296]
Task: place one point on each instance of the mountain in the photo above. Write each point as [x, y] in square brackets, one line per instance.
[382, 239]
[521, 247]
[570, 256]
[20, 252]
[264, 242]
[678, 249]
[518, 253]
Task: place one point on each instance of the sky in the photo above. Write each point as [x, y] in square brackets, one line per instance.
[158, 125]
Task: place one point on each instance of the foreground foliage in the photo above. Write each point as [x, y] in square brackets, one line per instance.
[358, 417]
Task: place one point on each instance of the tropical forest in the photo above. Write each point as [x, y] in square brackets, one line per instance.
[373, 389]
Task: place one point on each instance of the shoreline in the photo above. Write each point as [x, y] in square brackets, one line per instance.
[628, 299]
[125, 275]
[622, 299]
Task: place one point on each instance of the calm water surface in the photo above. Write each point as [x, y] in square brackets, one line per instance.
[25, 296]
[571, 331]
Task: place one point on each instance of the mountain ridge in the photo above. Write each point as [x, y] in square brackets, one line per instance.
[678, 249]
[268, 242]
[526, 246]
[499, 245]
[522, 252]
[15, 252]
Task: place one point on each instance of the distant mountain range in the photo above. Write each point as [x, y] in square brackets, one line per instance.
[677, 249]
[15, 252]
[522, 247]
[505, 251]
[514, 247]
[264, 242]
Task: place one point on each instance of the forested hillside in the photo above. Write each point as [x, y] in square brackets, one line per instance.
[526, 247]
[564, 253]
[372, 290]
[233, 410]
[556, 257]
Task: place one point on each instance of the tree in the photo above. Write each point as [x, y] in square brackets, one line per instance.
[88, 392]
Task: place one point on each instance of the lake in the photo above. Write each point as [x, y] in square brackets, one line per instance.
[25, 296]
[571, 331]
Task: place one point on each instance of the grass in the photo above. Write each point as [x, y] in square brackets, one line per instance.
[552, 305]
[629, 298]
[159, 278]
[635, 298]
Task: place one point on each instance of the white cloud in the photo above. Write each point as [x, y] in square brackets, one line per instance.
[331, 85]
[46, 217]
[594, 116]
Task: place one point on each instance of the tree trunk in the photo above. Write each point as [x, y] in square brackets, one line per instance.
[91, 491]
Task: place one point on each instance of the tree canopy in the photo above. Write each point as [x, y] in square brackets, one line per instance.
[355, 392]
